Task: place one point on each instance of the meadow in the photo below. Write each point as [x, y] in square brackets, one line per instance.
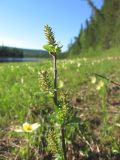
[22, 99]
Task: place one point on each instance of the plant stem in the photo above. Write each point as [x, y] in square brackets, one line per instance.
[55, 79]
[63, 142]
[111, 81]
[56, 103]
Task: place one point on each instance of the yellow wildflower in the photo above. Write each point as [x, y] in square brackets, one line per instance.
[26, 127]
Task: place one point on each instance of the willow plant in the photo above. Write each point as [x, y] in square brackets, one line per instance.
[53, 48]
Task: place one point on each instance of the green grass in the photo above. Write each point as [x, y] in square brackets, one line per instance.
[20, 86]
[94, 53]
[20, 91]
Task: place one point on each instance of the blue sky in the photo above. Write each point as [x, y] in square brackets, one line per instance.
[22, 21]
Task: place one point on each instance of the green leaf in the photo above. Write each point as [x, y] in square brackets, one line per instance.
[49, 48]
[58, 49]
[73, 120]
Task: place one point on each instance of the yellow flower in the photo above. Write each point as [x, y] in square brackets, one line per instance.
[93, 80]
[100, 85]
[61, 84]
[26, 127]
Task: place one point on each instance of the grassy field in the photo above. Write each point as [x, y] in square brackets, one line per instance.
[22, 99]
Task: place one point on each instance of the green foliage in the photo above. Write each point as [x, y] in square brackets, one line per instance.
[52, 46]
[22, 98]
[60, 114]
[101, 31]
[31, 94]
[6, 52]
[52, 49]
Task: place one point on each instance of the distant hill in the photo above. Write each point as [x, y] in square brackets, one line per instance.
[15, 52]
[25, 52]
[34, 53]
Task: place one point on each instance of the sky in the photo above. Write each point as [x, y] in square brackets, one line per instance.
[22, 21]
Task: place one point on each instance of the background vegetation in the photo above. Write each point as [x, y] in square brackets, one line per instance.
[6, 52]
[101, 32]
[88, 89]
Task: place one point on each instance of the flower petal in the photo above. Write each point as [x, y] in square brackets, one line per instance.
[18, 130]
[35, 126]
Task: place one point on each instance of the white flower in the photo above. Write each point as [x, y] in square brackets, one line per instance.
[118, 124]
[57, 125]
[84, 59]
[22, 80]
[71, 61]
[79, 64]
[27, 127]
[93, 80]
[100, 85]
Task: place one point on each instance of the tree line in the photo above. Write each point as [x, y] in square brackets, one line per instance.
[101, 32]
[6, 52]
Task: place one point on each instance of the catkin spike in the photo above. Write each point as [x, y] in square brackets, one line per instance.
[49, 35]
